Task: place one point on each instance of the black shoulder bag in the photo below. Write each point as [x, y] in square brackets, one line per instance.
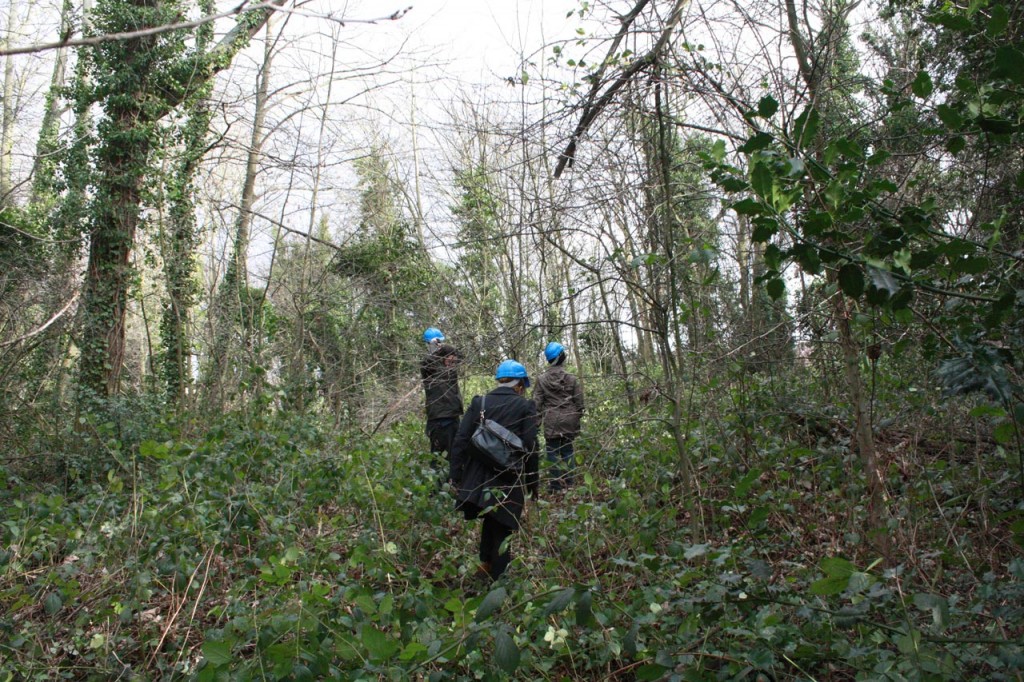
[499, 447]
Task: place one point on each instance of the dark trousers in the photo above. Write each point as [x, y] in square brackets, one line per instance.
[441, 433]
[562, 459]
[492, 536]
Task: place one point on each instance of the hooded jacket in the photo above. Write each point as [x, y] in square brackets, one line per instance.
[439, 371]
[559, 399]
[481, 488]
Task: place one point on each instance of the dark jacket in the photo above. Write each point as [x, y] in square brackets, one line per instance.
[440, 373]
[480, 487]
[559, 399]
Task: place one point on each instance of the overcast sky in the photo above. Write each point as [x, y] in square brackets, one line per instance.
[482, 38]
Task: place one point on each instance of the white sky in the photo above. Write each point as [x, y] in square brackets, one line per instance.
[484, 38]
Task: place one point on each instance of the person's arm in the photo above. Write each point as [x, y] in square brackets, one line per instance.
[540, 397]
[461, 444]
[577, 396]
[529, 437]
[425, 371]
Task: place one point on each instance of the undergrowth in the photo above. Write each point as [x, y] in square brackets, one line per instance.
[268, 547]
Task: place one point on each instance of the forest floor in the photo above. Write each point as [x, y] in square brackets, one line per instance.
[271, 548]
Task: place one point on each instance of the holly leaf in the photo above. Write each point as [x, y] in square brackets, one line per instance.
[764, 229]
[972, 265]
[767, 107]
[584, 610]
[954, 22]
[806, 125]
[52, 604]
[998, 20]
[761, 181]
[950, 117]
[851, 280]
[747, 207]
[1009, 63]
[756, 143]
[922, 85]
[934, 604]
[808, 257]
[956, 144]
[718, 151]
[884, 280]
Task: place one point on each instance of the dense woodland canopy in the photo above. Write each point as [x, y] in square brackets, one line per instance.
[780, 239]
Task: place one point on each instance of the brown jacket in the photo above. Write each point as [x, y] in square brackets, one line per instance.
[559, 398]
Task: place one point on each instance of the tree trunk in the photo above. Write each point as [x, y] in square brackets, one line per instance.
[620, 355]
[851, 353]
[233, 289]
[45, 164]
[122, 156]
[179, 245]
[11, 90]
[301, 297]
[865, 438]
[122, 166]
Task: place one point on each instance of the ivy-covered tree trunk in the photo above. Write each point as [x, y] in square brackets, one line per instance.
[122, 164]
[45, 164]
[179, 245]
[138, 80]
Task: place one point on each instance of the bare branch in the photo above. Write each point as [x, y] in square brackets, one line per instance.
[271, 5]
[43, 328]
[592, 109]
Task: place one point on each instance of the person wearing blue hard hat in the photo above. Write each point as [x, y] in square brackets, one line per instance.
[499, 496]
[559, 398]
[510, 369]
[439, 371]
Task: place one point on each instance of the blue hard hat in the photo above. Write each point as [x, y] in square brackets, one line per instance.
[433, 333]
[510, 369]
[553, 350]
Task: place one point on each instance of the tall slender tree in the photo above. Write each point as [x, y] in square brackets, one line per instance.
[232, 299]
[178, 244]
[136, 82]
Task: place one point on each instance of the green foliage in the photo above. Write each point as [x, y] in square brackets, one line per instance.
[21, 240]
[353, 314]
[819, 193]
[180, 239]
[482, 266]
[268, 547]
[980, 368]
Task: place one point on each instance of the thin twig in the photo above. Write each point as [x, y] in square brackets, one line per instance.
[167, 28]
[40, 330]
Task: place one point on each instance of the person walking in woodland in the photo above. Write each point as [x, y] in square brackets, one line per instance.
[439, 371]
[482, 487]
[559, 399]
